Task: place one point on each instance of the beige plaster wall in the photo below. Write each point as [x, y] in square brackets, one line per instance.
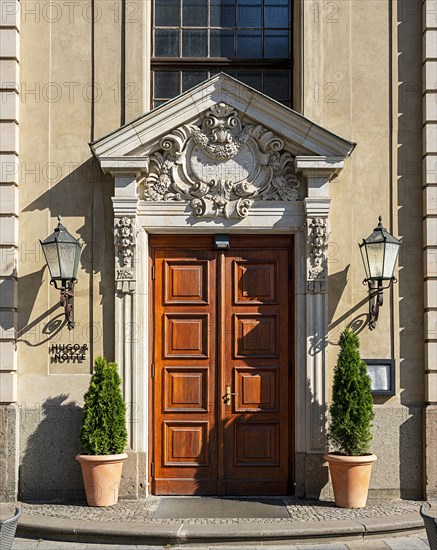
[348, 76]
[362, 79]
[59, 176]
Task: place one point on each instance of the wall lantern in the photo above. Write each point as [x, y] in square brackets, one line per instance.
[62, 253]
[379, 252]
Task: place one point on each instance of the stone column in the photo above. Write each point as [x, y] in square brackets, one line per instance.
[430, 241]
[9, 211]
[129, 330]
[317, 172]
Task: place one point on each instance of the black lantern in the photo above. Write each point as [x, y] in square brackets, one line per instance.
[379, 252]
[62, 254]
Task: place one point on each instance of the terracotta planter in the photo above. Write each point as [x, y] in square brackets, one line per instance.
[350, 476]
[101, 477]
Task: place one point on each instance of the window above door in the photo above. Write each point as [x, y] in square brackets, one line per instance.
[196, 39]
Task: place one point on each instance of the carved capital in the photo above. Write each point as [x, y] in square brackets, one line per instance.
[124, 233]
[220, 166]
[317, 249]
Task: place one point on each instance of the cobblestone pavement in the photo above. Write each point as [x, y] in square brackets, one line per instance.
[395, 543]
[299, 510]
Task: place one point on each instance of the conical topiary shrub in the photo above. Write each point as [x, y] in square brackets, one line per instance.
[103, 435]
[351, 412]
[351, 415]
[104, 413]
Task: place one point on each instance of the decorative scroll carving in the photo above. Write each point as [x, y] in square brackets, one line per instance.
[220, 166]
[125, 248]
[317, 254]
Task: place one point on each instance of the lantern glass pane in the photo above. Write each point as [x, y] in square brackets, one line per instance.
[67, 257]
[364, 258]
[375, 253]
[391, 254]
[51, 254]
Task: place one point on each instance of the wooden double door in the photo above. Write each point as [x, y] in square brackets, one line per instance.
[221, 373]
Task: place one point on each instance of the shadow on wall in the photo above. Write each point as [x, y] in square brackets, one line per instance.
[86, 193]
[409, 198]
[50, 441]
[410, 457]
[337, 283]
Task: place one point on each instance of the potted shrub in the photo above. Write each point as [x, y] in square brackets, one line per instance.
[103, 435]
[351, 415]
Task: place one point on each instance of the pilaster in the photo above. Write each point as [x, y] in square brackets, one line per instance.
[9, 212]
[125, 235]
[318, 171]
[429, 55]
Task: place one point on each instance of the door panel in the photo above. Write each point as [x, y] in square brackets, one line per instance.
[256, 366]
[184, 404]
[221, 389]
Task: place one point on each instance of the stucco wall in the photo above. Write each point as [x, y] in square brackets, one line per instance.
[349, 75]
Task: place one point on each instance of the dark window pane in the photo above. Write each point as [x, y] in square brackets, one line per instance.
[159, 102]
[277, 84]
[194, 13]
[230, 72]
[276, 44]
[249, 44]
[222, 13]
[249, 13]
[222, 44]
[276, 13]
[167, 13]
[167, 43]
[192, 78]
[166, 84]
[194, 43]
[251, 78]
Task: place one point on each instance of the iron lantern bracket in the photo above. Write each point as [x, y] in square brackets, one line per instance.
[376, 298]
[66, 300]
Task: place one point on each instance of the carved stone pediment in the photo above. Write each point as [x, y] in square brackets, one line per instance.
[219, 166]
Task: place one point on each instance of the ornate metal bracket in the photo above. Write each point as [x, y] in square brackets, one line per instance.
[67, 299]
[376, 299]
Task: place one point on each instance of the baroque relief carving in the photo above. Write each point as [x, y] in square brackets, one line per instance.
[125, 248]
[317, 254]
[220, 166]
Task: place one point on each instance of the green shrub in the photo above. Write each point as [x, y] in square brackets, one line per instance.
[104, 413]
[351, 412]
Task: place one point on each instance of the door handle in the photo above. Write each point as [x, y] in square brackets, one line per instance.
[227, 397]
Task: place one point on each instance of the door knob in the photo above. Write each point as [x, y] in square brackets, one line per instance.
[227, 397]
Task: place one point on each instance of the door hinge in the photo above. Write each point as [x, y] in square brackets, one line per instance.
[152, 370]
[153, 272]
[152, 469]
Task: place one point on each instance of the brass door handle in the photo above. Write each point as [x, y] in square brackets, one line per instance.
[227, 397]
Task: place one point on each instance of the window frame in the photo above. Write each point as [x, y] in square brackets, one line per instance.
[214, 63]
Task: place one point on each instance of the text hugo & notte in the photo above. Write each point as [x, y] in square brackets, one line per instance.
[68, 353]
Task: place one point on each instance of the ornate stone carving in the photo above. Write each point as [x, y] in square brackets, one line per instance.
[220, 166]
[317, 254]
[125, 248]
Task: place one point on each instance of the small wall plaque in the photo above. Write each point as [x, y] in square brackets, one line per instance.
[67, 353]
[382, 375]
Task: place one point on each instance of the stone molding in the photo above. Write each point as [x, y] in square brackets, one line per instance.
[124, 234]
[317, 260]
[220, 166]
